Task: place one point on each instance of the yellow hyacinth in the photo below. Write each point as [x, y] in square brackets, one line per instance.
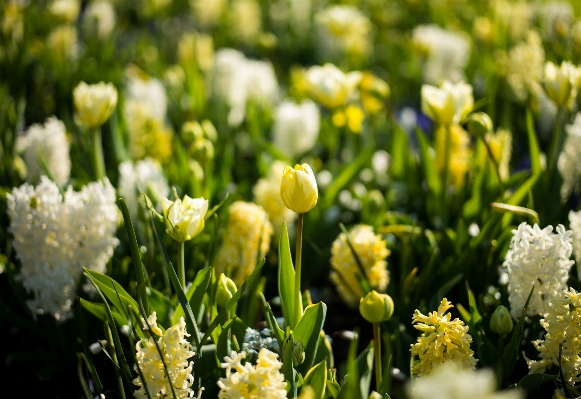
[443, 340]
[371, 250]
[298, 188]
[246, 241]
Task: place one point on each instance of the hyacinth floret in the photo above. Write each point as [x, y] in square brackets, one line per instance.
[562, 323]
[176, 351]
[255, 340]
[537, 257]
[263, 381]
[372, 252]
[443, 340]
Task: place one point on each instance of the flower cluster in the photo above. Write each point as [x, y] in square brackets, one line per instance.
[575, 225]
[371, 250]
[255, 340]
[267, 195]
[56, 237]
[263, 381]
[246, 240]
[563, 325]
[443, 340]
[569, 163]
[540, 258]
[48, 141]
[176, 351]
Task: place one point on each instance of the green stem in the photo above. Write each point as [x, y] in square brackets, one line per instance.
[494, 163]
[299, 253]
[447, 150]
[377, 355]
[556, 143]
[181, 265]
[97, 153]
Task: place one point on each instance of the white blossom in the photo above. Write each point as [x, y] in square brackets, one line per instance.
[575, 226]
[296, 127]
[99, 19]
[569, 163]
[540, 258]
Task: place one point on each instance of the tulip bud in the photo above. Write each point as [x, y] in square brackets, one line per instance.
[226, 289]
[94, 104]
[298, 352]
[375, 395]
[298, 188]
[375, 307]
[501, 322]
[479, 124]
[184, 219]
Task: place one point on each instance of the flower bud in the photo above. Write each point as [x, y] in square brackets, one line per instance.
[375, 307]
[375, 395]
[479, 124]
[226, 289]
[184, 219]
[501, 322]
[298, 188]
[298, 352]
[94, 104]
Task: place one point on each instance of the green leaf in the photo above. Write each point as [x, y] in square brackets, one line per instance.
[443, 290]
[290, 374]
[98, 310]
[317, 379]
[511, 351]
[308, 330]
[348, 174]
[86, 351]
[214, 209]
[140, 271]
[429, 165]
[533, 381]
[399, 152]
[195, 295]
[224, 345]
[286, 279]
[332, 389]
[358, 379]
[230, 304]
[534, 151]
[271, 321]
[475, 314]
[162, 306]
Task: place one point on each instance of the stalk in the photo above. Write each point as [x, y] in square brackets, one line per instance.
[181, 265]
[299, 253]
[556, 142]
[377, 355]
[97, 153]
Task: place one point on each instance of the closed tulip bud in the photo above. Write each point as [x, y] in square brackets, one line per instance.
[94, 104]
[501, 322]
[375, 307]
[298, 188]
[184, 219]
[226, 289]
[298, 352]
[479, 124]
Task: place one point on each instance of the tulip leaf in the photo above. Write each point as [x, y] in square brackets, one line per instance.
[112, 290]
[359, 370]
[271, 322]
[533, 381]
[348, 174]
[195, 295]
[534, 151]
[290, 374]
[316, 378]
[98, 310]
[286, 279]
[162, 306]
[429, 165]
[307, 331]
[224, 345]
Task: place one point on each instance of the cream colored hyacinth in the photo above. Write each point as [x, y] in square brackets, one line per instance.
[95, 103]
[443, 340]
[176, 351]
[563, 325]
[372, 252]
[246, 240]
[263, 381]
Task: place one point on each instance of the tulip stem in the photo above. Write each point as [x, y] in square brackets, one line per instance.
[495, 165]
[97, 153]
[377, 355]
[181, 265]
[556, 142]
[299, 253]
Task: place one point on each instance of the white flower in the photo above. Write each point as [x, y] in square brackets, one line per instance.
[143, 176]
[450, 103]
[447, 53]
[184, 219]
[450, 381]
[296, 127]
[176, 351]
[48, 141]
[575, 226]
[330, 86]
[569, 163]
[540, 258]
[66, 10]
[55, 237]
[148, 91]
[95, 103]
[99, 19]
[263, 381]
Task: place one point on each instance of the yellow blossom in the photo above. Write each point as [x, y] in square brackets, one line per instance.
[94, 104]
[184, 219]
[449, 103]
[148, 137]
[246, 240]
[460, 154]
[371, 250]
[298, 188]
[442, 340]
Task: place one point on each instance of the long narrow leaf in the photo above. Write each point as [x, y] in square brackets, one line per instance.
[286, 280]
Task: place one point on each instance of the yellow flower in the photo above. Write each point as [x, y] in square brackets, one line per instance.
[561, 83]
[563, 325]
[460, 152]
[184, 219]
[328, 85]
[246, 240]
[371, 250]
[148, 137]
[442, 340]
[94, 104]
[450, 103]
[298, 188]
[375, 307]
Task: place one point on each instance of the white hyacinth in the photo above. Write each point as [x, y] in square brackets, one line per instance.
[143, 176]
[48, 141]
[99, 19]
[148, 91]
[447, 53]
[55, 237]
[296, 127]
[569, 163]
[575, 226]
[540, 258]
[236, 79]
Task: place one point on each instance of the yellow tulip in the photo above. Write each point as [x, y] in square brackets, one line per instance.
[298, 188]
[561, 82]
[450, 103]
[94, 104]
[184, 219]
